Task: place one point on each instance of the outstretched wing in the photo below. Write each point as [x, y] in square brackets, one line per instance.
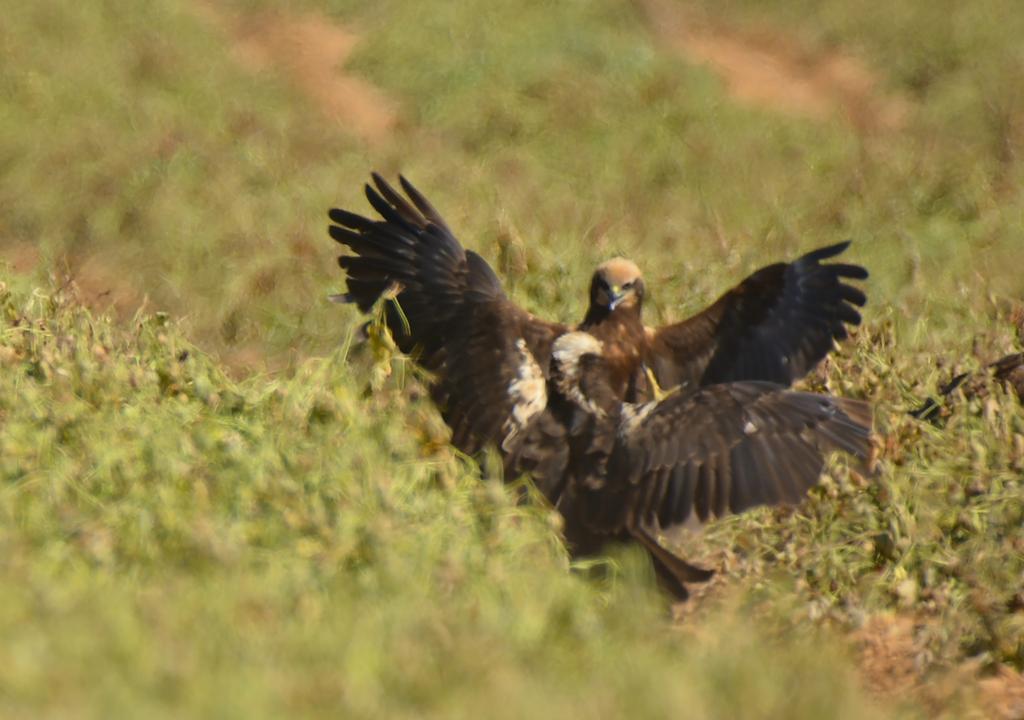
[722, 449]
[774, 326]
[489, 357]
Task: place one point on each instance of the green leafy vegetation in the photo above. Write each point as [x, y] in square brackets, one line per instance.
[175, 541]
[183, 532]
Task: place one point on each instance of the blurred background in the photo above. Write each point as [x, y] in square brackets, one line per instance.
[184, 154]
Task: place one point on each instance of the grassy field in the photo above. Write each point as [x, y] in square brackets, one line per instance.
[214, 503]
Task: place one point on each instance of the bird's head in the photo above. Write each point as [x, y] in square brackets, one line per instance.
[617, 283]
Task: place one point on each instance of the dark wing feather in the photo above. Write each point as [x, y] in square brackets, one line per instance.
[774, 326]
[722, 449]
[450, 311]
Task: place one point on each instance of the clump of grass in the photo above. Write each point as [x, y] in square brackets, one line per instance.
[175, 541]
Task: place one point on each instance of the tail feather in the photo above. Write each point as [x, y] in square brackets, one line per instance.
[672, 570]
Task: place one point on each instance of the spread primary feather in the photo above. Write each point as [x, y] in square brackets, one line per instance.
[571, 406]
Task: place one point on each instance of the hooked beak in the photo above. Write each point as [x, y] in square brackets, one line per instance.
[616, 298]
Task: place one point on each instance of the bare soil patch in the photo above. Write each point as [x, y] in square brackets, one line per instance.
[94, 284]
[23, 257]
[891, 659]
[310, 50]
[99, 286]
[889, 655]
[773, 71]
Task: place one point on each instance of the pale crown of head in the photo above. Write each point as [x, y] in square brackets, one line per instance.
[618, 272]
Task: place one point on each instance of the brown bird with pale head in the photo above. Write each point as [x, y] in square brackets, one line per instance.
[578, 408]
[614, 317]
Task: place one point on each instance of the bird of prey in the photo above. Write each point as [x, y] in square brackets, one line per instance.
[579, 408]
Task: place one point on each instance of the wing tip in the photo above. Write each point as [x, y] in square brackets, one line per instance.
[846, 270]
[409, 188]
[387, 190]
[852, 272]
[373, 196]
[829, 251]
[347, 219]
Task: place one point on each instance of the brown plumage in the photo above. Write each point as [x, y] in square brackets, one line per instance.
[571, 407]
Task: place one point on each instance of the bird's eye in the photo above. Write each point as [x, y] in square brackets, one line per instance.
[627, 286]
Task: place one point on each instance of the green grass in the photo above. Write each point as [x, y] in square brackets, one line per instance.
[182, 535]
[175, 542]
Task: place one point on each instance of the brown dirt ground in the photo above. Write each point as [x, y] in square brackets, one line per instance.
[93, 283]
[773, 71]
[309, 49]
[891, 660]
[1002, 695]
[23, 257]
[890, 651]
[100, 287]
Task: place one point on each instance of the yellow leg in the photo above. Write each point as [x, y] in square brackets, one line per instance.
[657, 394]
